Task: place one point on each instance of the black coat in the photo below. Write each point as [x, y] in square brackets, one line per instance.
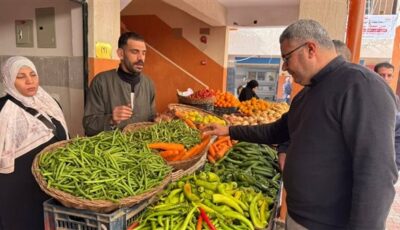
[20, 196]
[247, 94]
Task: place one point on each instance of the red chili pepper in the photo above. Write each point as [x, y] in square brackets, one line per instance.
[133, 226]
[206, 219]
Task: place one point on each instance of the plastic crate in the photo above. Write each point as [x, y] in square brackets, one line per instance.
[57, 217]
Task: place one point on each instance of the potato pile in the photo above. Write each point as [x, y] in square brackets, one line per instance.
[273, 113]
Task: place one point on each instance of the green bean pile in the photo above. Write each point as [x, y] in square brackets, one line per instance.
[107, 166]
[175, 131]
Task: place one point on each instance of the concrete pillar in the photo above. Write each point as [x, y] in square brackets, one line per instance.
[104, 26]
[332, 14]
[354, 28]
[396, 61]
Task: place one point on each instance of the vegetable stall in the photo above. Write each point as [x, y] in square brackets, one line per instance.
[163, 175]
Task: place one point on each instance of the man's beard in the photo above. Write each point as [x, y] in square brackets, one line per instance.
[130, 66]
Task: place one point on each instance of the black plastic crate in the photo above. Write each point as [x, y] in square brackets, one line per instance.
[57, 217]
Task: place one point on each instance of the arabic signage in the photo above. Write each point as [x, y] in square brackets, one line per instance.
[379, 26]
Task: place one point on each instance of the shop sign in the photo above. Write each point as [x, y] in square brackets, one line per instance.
[379, 26]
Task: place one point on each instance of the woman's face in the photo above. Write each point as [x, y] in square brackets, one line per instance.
[26, 82]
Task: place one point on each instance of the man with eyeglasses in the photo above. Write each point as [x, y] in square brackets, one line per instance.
[340, 170]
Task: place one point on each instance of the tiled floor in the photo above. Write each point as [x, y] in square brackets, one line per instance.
[393, 221]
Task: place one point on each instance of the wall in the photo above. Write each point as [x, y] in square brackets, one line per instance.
[269, 15]
[175, 18]
[60, 69]
[332, 14]
[255, 41]
[173, 55]
[104, 26]
[26, 10]
[208, 11]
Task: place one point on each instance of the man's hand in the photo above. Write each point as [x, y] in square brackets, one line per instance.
[215, 129]
[121, 113]
[281, 160]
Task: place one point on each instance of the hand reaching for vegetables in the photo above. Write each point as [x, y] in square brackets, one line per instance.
[281, 160]
[121, 113]
[215, 129]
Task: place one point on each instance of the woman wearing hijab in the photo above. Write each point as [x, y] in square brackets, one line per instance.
[248, 92]
[30, 119]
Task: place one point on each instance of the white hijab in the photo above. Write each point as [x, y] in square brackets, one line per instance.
[20, 132]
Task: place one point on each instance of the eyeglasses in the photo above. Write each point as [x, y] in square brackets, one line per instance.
[287, 56]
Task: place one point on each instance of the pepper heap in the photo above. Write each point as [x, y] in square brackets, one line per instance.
[220, 205]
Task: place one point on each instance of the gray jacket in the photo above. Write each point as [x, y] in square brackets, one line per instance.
[108, 91]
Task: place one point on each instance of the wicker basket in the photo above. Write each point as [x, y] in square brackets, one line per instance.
[102, 206]
[185, 108]
[136, 126]
[195, 101]
[177, 165]
[181, 173]
[224, 110]
[188, 163]
[205, 103]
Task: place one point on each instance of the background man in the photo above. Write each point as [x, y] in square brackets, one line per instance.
[121, 96]
[342, 49]
[287, 89]
[385, 70]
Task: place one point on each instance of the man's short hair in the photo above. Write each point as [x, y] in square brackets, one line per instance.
[383, 64]
[123, 39]
[306, 29]
[342, 49]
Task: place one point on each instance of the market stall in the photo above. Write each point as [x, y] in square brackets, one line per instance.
[162, 175]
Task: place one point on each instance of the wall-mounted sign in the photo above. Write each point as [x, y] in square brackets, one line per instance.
[103, 50]
[379, 26]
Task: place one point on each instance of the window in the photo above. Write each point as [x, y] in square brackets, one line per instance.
[252, 75]
[368, 7]
[260, 76]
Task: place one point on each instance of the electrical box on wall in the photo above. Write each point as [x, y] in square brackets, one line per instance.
[45, 27]
[24, 33]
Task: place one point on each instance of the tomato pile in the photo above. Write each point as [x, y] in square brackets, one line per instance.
[203, 93]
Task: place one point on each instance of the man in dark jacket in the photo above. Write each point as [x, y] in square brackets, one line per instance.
[340, 170]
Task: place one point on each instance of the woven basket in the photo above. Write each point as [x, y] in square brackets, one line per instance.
[102, 206]
[177, 165]
[181, 173]
[177, 175]
[195, 101]
[188, 163]
[224, 110]
[136, 126]
[185, 108]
